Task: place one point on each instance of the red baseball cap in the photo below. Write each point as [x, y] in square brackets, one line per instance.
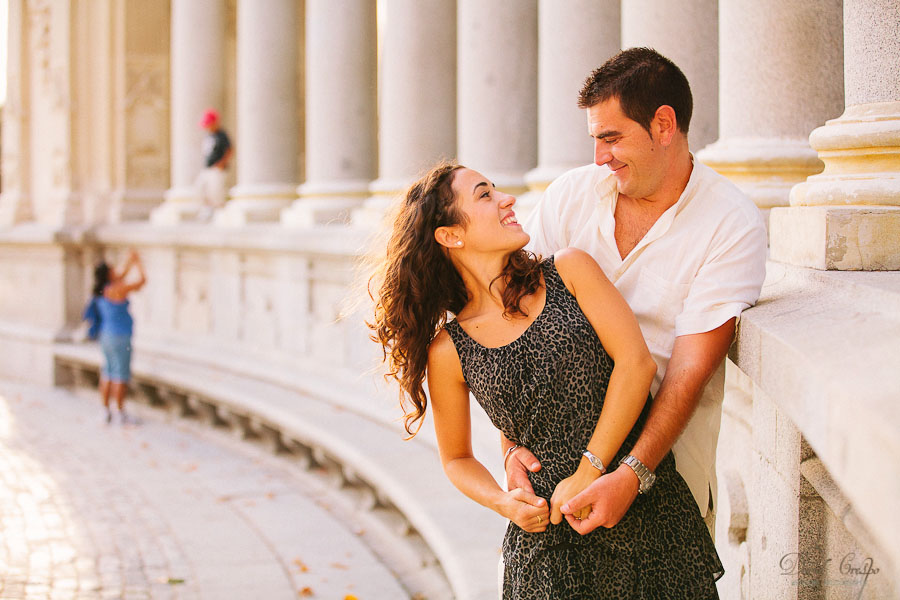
[209, 117]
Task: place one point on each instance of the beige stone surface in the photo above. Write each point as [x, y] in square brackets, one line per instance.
[833, 238]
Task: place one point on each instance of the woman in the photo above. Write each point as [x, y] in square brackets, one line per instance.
[110, 306]
[555, 357]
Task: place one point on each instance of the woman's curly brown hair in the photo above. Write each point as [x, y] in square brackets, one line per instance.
[418, 285]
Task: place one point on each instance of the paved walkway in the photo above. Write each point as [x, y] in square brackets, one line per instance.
[163, 510]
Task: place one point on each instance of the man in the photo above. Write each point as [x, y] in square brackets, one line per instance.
[216, 155]
[686, 249]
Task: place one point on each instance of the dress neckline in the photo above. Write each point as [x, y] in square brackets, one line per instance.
[549, 263]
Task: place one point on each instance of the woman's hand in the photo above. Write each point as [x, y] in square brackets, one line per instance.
[526, 510]
[567, 489]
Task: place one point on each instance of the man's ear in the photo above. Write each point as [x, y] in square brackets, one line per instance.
[448, 237]
[665, 124]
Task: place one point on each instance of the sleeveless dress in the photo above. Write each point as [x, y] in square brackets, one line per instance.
[544, 391]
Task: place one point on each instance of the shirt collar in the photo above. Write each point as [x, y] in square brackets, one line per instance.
[606, 188]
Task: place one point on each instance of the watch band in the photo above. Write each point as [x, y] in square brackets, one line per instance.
[595, 462]
[644, 475]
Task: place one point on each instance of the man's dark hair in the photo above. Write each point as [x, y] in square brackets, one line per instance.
[643, 80]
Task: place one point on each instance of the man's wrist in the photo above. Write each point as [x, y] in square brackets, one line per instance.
[644, 475]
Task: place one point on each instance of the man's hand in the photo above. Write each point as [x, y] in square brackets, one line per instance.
[519, 464]
[568, 489]
[609, 497]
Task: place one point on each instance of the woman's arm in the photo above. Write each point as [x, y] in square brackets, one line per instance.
[450, 406]
[135, 260]
[632, 374]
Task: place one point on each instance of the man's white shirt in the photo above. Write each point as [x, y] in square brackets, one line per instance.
[702, 263]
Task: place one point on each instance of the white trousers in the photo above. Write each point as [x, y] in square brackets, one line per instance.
[211, 187]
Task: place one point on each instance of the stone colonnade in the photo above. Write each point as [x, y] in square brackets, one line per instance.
[384, 93]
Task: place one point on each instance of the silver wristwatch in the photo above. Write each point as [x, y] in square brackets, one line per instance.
[644, 475]
[596, 462]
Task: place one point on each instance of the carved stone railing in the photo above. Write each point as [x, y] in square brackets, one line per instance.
[808, 447]
[261, 330]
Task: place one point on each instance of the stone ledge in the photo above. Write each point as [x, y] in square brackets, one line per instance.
[362, 453]
[823, 345]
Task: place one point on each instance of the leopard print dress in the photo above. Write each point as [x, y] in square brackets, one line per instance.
[544, 391]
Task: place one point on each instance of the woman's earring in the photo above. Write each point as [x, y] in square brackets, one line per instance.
[459, 243]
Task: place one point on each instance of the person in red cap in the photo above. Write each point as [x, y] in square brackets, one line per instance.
[217, 151]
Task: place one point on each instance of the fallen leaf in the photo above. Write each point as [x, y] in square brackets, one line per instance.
[341, 566]
[301, 565]
[306, 592]
[350, 597]
[174, 580]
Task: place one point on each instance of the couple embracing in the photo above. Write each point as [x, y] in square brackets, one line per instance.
[593, 337]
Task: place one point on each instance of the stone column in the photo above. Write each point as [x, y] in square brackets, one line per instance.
[574, 38]
[267, 125]
[781, 75]
[497, 98]
[417, 98]
[686, 32]
[341, 141]
[848, 217]
[15, 204]
[198, 83]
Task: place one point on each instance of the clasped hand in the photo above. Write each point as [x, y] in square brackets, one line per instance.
[585, 502]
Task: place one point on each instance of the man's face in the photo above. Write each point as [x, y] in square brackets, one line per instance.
[621, 144]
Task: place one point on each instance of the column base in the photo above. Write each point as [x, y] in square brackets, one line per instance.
[181, 205]
[384, 194]
[325, 204]
[134, 205]
[857, 238]
[255, 204]
[14, 208]
[861, 152]
[763, 168]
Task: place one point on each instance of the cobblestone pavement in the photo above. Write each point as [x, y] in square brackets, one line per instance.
[162, 510]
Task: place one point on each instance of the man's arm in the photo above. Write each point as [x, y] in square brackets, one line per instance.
[694, 360]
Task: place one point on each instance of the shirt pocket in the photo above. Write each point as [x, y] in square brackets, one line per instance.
[656, 303]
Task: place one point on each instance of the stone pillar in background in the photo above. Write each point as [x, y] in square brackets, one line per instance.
[142, 107]
[781, 76]
[417, 98]
[497, 97]
[197, 83]
[341, 144]
[848, 217]
[687, 32]
[265, 142]
[574, 38]
[15, 204]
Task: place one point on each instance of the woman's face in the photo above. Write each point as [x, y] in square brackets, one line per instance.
[490, 221]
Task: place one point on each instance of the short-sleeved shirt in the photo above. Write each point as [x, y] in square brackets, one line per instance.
[215, 145]
[699, 265]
